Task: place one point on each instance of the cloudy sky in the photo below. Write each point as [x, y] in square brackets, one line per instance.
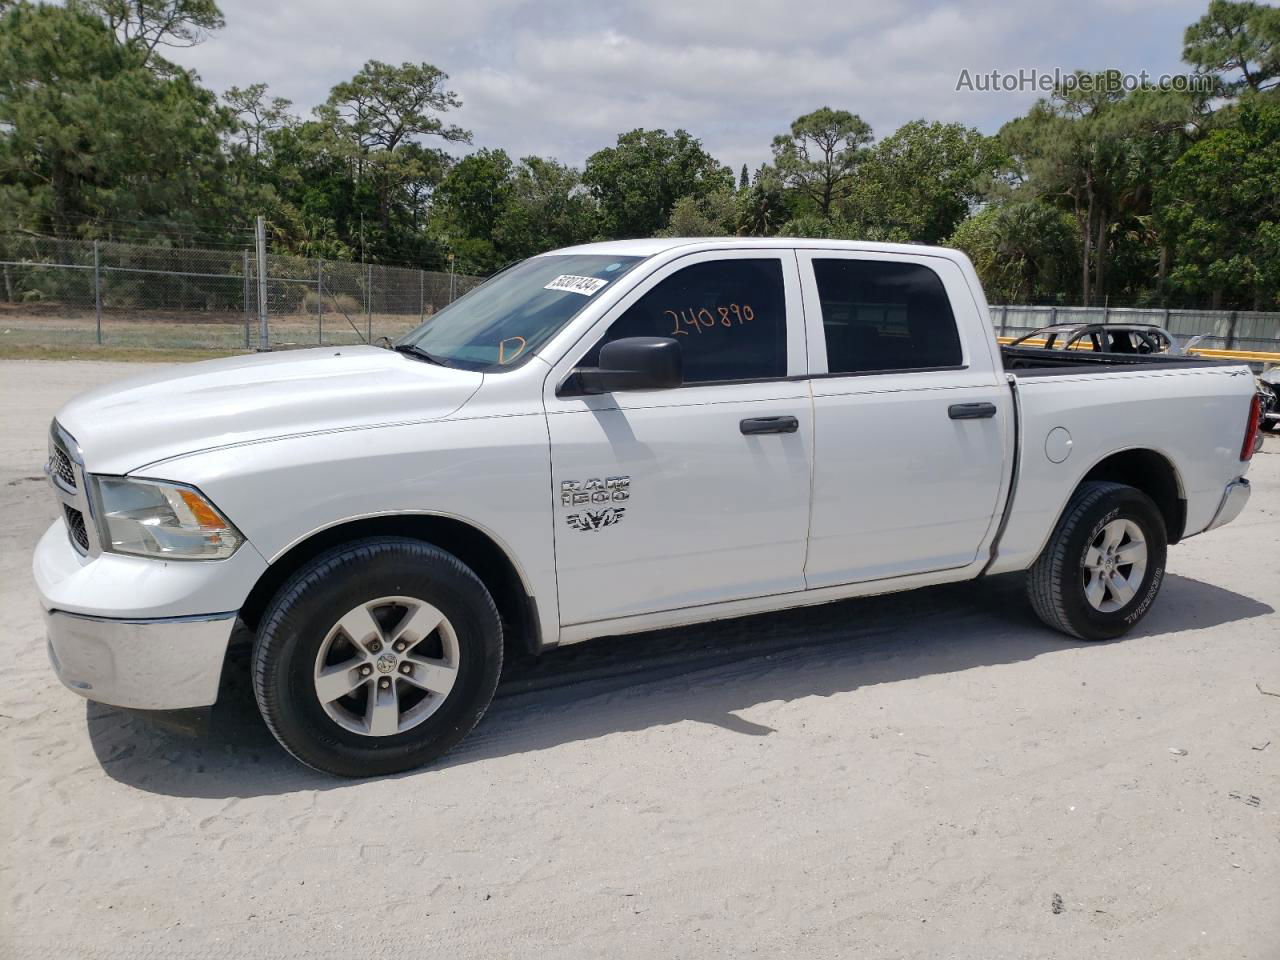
[563, 77]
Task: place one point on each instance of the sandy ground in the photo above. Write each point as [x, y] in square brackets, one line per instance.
[930, 775]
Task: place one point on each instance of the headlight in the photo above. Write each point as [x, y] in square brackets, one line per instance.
[167, 520]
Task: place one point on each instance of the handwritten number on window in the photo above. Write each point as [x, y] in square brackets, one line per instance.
[703, 317]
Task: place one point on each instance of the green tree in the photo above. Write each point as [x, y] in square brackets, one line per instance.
[1237, 37]
[375, 123]
[384, 105]
[1091, 149]
[422, 169]
[710, 216]
[923, 180]
[489, 211]
[835, 228]
[470, 205]
[88, 131]
[256, 115]
[1023, 251]
[304, 234]
[820, 154]
[305, 188]
[638, 181]
[1220, 205]
[148, 24]
[762, 207]
[1065, 154]
[547, 207]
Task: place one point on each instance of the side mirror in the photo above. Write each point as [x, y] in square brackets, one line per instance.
[634, 363]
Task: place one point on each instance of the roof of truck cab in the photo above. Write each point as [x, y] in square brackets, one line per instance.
[656, 245]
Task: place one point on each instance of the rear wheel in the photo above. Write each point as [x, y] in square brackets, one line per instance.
[377, 657]
[1102, 567]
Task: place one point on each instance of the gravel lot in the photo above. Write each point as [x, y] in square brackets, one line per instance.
[930, 775]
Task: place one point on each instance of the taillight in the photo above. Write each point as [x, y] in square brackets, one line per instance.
[1251, 429]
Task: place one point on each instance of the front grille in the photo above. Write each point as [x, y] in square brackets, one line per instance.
[75, 526]
[65, 471]
[60, 467]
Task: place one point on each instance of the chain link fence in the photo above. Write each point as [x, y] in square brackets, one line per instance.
[73, 293]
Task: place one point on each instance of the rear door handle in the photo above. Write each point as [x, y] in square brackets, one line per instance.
[971, 411]
[769, 425]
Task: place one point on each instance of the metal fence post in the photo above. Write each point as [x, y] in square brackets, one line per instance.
[263, 338]
[422, 301]
[319, 301]
[97, 290]
[368, 303]
[1231, 330]
[1004, 318]
[1053, 315]
[246, 297]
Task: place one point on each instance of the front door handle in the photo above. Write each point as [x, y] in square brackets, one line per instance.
[971, 411]
[769, 425]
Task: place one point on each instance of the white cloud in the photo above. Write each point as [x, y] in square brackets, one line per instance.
[564, 77]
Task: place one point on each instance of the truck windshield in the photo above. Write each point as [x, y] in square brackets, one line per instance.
[502, 322]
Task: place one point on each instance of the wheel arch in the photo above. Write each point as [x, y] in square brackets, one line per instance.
[1154, 474]
[479, 549]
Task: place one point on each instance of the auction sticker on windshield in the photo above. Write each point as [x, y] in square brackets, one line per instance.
[583, 285]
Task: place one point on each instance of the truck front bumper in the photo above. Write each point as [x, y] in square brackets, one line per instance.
[168, 664]
[137, 632]
[1233, 500]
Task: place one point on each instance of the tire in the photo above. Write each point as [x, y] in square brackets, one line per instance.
[1064, 582]
[361, 616]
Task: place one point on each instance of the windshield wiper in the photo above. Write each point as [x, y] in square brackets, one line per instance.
[413, 350]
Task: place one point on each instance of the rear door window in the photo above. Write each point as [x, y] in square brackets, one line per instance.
[880, 315]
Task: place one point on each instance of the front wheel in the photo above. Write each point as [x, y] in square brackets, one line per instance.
[377, 657]
[1102, 568]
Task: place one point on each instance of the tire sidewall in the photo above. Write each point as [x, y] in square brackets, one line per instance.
[1122, 504]
[308, 607]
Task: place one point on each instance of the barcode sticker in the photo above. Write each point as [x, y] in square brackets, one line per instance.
[583, 285]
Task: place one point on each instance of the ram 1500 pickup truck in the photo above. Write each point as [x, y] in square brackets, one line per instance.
[604, 440]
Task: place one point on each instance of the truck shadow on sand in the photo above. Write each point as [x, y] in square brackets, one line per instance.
[704, 673]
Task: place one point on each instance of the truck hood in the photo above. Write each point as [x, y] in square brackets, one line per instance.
[132, 423]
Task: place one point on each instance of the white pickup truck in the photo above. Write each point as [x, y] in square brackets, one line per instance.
[605, 440]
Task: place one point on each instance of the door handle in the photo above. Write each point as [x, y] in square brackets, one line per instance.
[971, 411]
[769, 425]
